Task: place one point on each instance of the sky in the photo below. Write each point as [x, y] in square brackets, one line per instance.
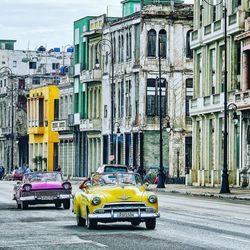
[49, 22]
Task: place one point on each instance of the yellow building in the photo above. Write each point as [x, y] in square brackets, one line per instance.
[43, 108]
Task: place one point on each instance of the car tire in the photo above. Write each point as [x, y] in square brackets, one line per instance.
[151, 223]
[91, 224]
[24, 205]
[80, 221]
[66, 204]
[58, 204]
[135, 223]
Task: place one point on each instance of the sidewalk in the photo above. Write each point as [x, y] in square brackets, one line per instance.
[236, 193]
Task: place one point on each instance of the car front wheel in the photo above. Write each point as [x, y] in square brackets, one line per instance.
[24, 205]
[66, 204]
[80, 221]
[91, 224]
[151, 223]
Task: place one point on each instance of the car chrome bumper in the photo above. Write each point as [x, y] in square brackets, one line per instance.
[44, 198]
[115, 216]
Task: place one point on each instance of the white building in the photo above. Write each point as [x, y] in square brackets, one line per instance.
[136, 69]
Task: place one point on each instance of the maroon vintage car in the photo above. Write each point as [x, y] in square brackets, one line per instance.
[17, 174]
[43, 188]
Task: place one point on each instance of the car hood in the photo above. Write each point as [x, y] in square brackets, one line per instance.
[118, 193]
[46, 185]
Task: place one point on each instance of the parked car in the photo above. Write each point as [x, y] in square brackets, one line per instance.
[115, 197]
[43, 188]
[151, 176]
[109, 168]
[17, 174]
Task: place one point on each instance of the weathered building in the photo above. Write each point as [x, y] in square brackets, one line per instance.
[24, 69]
[207, 106]
[135, 40]
[66, 146]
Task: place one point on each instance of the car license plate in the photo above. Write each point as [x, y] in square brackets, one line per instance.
[47, 197]
[125, 214]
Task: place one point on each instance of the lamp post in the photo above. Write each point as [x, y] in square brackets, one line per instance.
[12, 115]
[106, 45]
[225, 183]
[161, 181]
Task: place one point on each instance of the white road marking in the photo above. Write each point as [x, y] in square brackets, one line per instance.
[73, 240]
[234, 238]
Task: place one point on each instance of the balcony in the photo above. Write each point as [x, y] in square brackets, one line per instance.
[90, 125]
[94, 75]
[215, 30]
[242, 99]
[36, 130]
[59, 126]
[74, 119]
[208, 104]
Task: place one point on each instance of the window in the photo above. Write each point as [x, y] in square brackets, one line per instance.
[122, 45]
[128, 98]
[36, 80]
[14, 64]
[189, 52]
[56, 110]
[105, 111]
[152, 43]
[189, 94]
[151, 97]
[77, 53]
[21, 83]
[212, 71]
[55, 66]
[163, 43]
[32, 65]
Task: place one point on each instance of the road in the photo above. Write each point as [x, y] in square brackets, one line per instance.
[186, 223]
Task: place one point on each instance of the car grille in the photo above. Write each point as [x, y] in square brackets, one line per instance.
[125, 207]
[46, 192]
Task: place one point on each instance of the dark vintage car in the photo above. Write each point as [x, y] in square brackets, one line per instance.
[43, 188]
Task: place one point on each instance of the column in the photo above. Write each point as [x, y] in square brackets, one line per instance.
[245, 71]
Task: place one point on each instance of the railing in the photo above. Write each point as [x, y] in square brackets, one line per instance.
[59, 125]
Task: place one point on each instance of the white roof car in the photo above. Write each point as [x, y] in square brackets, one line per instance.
[109, 168]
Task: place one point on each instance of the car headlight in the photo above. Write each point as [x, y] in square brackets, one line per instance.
[27, 188]
[152, 199]
[96, 200]
[67, 185]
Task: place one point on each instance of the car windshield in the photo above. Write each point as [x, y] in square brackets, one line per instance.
[109, 169]
[42, 177]
[115, 179]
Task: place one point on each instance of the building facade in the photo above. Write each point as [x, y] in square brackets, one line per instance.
[42, 110]
[136, 69]
[207, 106]
[66, 146]
[24, 69]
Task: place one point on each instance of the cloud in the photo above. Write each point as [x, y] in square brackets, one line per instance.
[48, 22]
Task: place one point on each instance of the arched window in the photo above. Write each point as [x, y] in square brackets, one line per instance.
[163, 43]
[119, 49]
[152, 43]
[189, 52]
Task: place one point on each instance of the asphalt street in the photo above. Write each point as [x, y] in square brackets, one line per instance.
[186, 223]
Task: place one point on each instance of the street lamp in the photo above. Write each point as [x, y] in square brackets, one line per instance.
[161, 181]
[234, 108]
[225, 183]
[106, 45]
[5, 68]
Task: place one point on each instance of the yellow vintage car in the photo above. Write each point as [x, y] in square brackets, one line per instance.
[115, 197]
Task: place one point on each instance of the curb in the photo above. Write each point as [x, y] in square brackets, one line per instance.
[221, 196]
